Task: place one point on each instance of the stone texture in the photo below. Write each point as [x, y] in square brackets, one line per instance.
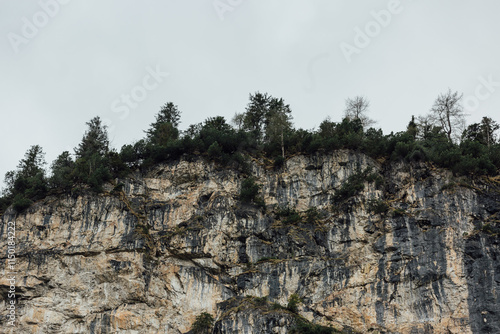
[177, 242]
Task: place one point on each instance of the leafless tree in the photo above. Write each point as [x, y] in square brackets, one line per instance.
[424, 126]
[357, 108]
[238, 120]
[447, 112]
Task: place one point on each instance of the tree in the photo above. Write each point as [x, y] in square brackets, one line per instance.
[165, 126]
[327, 129]
[278, 121]
[28, 182]
[356, 108]
[255, 115]
[267, 118]
[62, 169]
[9, 181]
[95, 140]
[489, 128]
[412, 128]
[424, 127]
[249, 190]
[483, 133]
[33, 162]
[92, 163]
[193, 130]
[447, 112]
[217, 123]
[238, 120]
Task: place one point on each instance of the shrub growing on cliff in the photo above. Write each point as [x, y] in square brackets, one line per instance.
[21, 203]
[203, 323]
[215, 151]
[312, 215]
[356, 183]
[377, 206]
[249, 191]
[288, 215]
[293, 303]
[263, 131]
[4, 204]
[304, 327]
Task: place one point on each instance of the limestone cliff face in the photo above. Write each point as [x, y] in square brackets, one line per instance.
[150, 257]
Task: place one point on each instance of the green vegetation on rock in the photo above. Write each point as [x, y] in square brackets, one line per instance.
[263, 130]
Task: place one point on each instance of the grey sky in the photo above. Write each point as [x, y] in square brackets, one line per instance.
[87, 55]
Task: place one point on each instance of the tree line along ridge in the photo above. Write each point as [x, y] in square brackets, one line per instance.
[265, 130]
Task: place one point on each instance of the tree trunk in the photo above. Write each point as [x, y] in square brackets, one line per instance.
[282, 145]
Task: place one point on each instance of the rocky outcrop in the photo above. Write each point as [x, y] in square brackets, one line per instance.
[415, 251]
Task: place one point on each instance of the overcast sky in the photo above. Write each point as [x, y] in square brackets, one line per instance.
[64, 62]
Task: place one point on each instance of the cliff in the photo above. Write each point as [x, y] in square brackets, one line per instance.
[415, 251]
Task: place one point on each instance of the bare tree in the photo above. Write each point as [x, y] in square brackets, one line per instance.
[356, 108]
[424, 126]
[238, 120]
[447, 112]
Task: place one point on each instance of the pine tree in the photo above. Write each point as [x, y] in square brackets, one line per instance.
[94, 141]
[255, 115]
[33, 162]
[28, 183]
[412, 128]
[62, 169]
[92, 165]
[165, 126]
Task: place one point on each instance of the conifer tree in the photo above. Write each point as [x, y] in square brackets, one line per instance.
[94, 141]
[165, 126]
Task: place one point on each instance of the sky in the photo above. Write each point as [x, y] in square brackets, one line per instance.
[63, 62]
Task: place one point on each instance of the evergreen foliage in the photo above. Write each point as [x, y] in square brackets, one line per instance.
[355, 184]
[203, 323]
[28, 183]
[249, 190]
[165, 128]
[304, 327]
[94, 141]
[62, 172]
[263, 130]
[92, 166]
[293, 303]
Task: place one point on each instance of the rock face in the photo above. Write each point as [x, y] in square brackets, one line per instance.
[415, 251]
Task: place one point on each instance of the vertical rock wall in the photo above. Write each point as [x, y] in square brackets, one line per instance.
[178, 241]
